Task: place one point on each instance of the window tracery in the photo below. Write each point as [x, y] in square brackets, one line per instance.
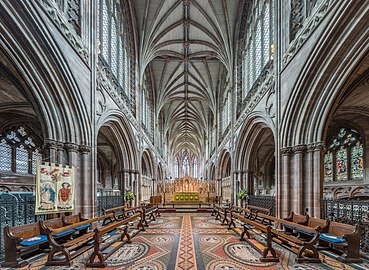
[259, 45]
[112, 41]
[19, 152]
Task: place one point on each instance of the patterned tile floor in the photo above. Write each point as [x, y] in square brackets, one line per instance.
[196, 242]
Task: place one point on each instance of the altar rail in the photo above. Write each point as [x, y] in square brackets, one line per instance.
[16, 209]
[105, 202]
[263, 201]
[350, 212]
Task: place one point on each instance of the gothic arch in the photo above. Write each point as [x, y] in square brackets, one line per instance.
[44, 76]
[326, 75]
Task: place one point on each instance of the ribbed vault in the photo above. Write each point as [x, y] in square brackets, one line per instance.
[188, 45]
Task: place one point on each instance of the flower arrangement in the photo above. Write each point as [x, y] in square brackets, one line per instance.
[129, 196]
[242, 194]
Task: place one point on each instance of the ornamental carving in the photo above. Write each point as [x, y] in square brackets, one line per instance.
[67, 23]
[307, 29]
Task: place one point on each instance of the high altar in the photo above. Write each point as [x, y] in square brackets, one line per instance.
[187, 189]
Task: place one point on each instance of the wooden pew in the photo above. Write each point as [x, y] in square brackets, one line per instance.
[99, 233]
[77, 244]
[265, 232]
[221, 213]
[149, 213]
[257, 209]
[313, 223]
[344, 238]
[118, 211]
[292, 242]
[294, 218]
[20, 239]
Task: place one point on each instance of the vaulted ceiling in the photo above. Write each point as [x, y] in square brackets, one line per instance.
[188, 48]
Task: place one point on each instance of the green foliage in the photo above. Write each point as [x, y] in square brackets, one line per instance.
[242, 194]
[129, 196]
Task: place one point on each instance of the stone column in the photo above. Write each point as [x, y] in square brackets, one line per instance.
[72, 158]
[318, 178]
[284, 193]
[50, 152]
[138, 187]
[310, 178]
[87, 185]
[298, 177]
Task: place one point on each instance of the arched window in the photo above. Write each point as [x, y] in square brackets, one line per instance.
[259, 44]
[185, 165]
[344, 159]
[112, 41]
[195, 168]
[19, 152]
[176, 168]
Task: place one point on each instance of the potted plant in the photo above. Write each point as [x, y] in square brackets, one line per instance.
[242, 195]
[129, 196]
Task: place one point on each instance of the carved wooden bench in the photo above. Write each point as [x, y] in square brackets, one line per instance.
[221, 213]
[64, 253]
[149, 213]
[268, 253]
[294, 218]
[306, 250]
[19, 239]
[118, 211]
[344, 238]
[101, 235]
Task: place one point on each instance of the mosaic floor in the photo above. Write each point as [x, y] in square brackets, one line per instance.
[194, 241]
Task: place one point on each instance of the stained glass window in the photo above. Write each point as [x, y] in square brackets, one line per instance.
[258, 49]
[5, 156]
[357, 162]
[105, 32]
[120, 68]
[328, 167]
[21, 159]
[259, 42]
[342, 164]
[185, 165]
[113, 58]
[344, 157]
[195, 168]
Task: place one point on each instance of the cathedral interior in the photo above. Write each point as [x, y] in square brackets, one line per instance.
[184, 134]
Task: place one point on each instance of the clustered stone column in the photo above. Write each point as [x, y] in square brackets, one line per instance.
[88, 193]
[300, 185]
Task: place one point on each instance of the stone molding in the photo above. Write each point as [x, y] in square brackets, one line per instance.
[308, 27]
[66, 28]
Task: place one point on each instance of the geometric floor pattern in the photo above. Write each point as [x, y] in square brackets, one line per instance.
[195, 242]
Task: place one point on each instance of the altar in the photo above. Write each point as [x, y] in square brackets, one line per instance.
[187, 190]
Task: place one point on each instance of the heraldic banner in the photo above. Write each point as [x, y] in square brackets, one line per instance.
[54, 189]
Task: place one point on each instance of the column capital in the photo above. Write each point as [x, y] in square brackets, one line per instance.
[51, 144]
[286, 151]
[84, 149]
[299, 148]
[71, 147]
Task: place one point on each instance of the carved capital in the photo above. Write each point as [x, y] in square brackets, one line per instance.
[51, 144]
[84, 149]
[71, 147]
[299, 148]
[286, 151]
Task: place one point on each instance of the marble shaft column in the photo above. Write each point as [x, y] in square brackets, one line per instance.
[298, 183]
[284, 198]
[50, 152]
[310, 178]
[138, 187]
[72, 157]
[318, 181]
[87, 185]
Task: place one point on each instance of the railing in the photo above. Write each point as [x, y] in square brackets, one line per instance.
[263, 201]
[104, 202]
[350, 212]
[16, 209]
